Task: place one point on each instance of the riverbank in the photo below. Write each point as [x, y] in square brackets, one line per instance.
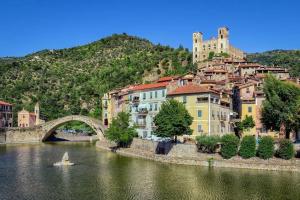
[186, 154]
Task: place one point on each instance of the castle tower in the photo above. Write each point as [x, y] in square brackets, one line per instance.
[197, 44]
[37, 113]
[223, 40]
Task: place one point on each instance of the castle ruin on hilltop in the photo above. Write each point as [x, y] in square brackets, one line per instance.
[220, 45]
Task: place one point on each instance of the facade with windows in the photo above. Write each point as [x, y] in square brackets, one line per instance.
[144, 103]
[6, 114]
[114, 102]
[211, 111]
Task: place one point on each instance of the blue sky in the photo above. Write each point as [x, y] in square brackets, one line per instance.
[255, 25]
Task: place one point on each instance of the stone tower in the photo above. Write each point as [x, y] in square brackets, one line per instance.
[223, 40]
[37, 113]
[197, 44]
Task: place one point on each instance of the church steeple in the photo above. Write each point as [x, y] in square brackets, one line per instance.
[37, 113]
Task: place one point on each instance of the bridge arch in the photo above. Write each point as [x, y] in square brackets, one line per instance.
[50, 126]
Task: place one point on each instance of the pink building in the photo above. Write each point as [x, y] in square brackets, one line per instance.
[6, 114]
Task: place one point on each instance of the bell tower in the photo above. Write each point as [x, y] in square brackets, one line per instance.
[37, 113]
[223, 40]
[197, 43]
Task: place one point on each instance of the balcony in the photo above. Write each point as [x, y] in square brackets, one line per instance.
[135, 100]
[143, 111]
[223, 118]
[141, 124]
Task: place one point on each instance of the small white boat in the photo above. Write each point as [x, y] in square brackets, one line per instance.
[64, 161]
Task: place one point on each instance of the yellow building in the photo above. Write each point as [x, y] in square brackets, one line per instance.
[210, 111]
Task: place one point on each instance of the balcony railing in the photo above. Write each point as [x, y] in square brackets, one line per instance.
[141, 124]
[143, 111]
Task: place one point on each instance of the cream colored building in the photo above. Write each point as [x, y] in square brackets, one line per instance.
[219, 45]
[29, 119]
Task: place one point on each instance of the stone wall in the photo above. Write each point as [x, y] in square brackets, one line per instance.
[186, 154]
[2, 136]
[23, 135]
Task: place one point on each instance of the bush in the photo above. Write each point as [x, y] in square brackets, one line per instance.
[286, 149]
[248, 147]
[207, 144]
[266, 147]
[230, 145]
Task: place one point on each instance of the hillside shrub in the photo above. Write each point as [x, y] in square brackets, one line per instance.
[266, 147]
[248, 147]
[207, 144]
[229, 146]
[286, 149]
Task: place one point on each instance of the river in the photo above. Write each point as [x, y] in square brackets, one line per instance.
[26, 172]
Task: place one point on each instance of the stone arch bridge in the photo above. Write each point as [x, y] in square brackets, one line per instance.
[41, 132]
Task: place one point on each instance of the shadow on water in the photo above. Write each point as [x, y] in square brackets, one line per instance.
[53, 138]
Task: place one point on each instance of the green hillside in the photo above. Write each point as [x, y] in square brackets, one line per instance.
[286, 58]
[71, 81]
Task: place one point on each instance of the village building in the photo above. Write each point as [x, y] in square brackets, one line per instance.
[211, 111]
[29, 119]
[6, 114]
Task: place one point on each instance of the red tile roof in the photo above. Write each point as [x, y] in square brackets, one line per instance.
[191, 89]
[167, 78]
[150, 86]
[5, 103]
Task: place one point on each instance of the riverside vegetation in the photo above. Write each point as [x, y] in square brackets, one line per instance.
[232, 146]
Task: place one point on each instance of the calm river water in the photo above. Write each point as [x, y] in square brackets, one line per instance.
[26, 172]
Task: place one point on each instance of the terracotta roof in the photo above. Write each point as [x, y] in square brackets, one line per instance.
[167, 78]
[216, 70]
[191, 89]
[5, 103]
[150, 86]
[249, 65]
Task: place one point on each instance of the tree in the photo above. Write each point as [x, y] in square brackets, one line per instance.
[120, 130]
[281, 109]
[265, 148]
[286, 149]
[211, 55]
[248, 147]
[173, 120]
[230, 144]
[244, 125]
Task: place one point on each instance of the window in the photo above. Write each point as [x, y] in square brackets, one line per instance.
[155, 94]
[150, 95]
[221, 45]
[163, 93]
[195, 48]
[196, 41]
[155, 107]
[150, 107]
[199, 128]
[130, 97]
[247, 90]
[144, 95]
[196, 56]
[184, 99]
[249, 109]
[199, 113]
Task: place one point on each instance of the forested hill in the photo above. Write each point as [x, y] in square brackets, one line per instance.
[286, 58]
[71, 81]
